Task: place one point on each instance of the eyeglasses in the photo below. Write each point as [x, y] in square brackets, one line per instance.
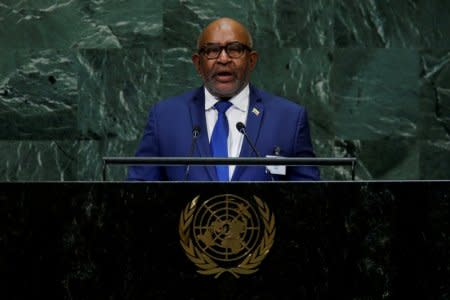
[233, 50]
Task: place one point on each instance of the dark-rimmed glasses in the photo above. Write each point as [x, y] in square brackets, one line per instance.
[233, 50]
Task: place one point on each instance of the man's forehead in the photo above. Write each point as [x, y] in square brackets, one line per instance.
[223, 33]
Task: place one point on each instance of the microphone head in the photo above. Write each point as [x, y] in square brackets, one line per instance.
[196, 131]
[240, 127]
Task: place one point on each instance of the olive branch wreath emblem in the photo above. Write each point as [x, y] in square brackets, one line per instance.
[208, 266]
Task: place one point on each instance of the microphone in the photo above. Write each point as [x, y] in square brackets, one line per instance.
[195, 134]
[241, 128]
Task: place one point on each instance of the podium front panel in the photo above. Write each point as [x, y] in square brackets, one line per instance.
[324, 240]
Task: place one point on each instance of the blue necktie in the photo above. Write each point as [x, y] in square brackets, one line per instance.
[219, 138]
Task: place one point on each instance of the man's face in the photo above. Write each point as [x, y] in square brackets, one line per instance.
[225, 76]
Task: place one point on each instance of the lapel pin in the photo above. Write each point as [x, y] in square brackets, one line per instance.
[255, 111]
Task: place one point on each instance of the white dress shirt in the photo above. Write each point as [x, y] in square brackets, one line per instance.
[236, 113]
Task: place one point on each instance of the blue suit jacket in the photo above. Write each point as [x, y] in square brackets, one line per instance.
[271, 122]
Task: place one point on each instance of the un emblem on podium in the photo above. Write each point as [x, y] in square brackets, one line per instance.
[227, 233]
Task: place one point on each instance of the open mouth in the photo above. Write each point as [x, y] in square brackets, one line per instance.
[224, 76]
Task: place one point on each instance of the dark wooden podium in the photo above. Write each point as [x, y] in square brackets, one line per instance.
[334, 240]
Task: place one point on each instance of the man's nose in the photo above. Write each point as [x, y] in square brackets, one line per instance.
[223, 56]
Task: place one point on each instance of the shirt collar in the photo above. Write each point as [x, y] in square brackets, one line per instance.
[240, 101]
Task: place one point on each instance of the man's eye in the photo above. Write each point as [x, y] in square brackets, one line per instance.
[235, 48]
[211, 50]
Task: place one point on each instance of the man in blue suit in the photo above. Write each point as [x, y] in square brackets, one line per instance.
[275, 125]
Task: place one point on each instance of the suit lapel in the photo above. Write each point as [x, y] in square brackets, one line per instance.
[254, 119]
[197, 111]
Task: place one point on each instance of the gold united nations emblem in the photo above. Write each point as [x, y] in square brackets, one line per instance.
[227, 233]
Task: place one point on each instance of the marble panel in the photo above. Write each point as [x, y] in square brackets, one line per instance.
[84, 24]
[40, 24]
[389, 159]
[184, 20]
[391, 24]
[292, 23]
[338, 148]
[397, 159]
[178, 72]
[121, 24]
[91, 168]
[303, 77]
[375, 93]
[38, 161]
[435, 94]
[38, 95]
[435, 159]
[438, 35]
[117, 86]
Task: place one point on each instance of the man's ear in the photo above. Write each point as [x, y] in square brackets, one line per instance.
[253, 58]
[196, 62]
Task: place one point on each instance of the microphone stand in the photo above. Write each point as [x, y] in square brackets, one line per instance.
[195, 134]
[241, 128]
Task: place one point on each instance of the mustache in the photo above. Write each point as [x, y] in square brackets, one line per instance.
[219, 72]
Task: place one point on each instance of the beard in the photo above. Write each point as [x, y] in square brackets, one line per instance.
[235, 87]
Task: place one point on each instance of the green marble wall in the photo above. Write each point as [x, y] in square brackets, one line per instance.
[77, 78]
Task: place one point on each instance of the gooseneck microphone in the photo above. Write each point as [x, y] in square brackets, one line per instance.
[195, 134]
[241, 128]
